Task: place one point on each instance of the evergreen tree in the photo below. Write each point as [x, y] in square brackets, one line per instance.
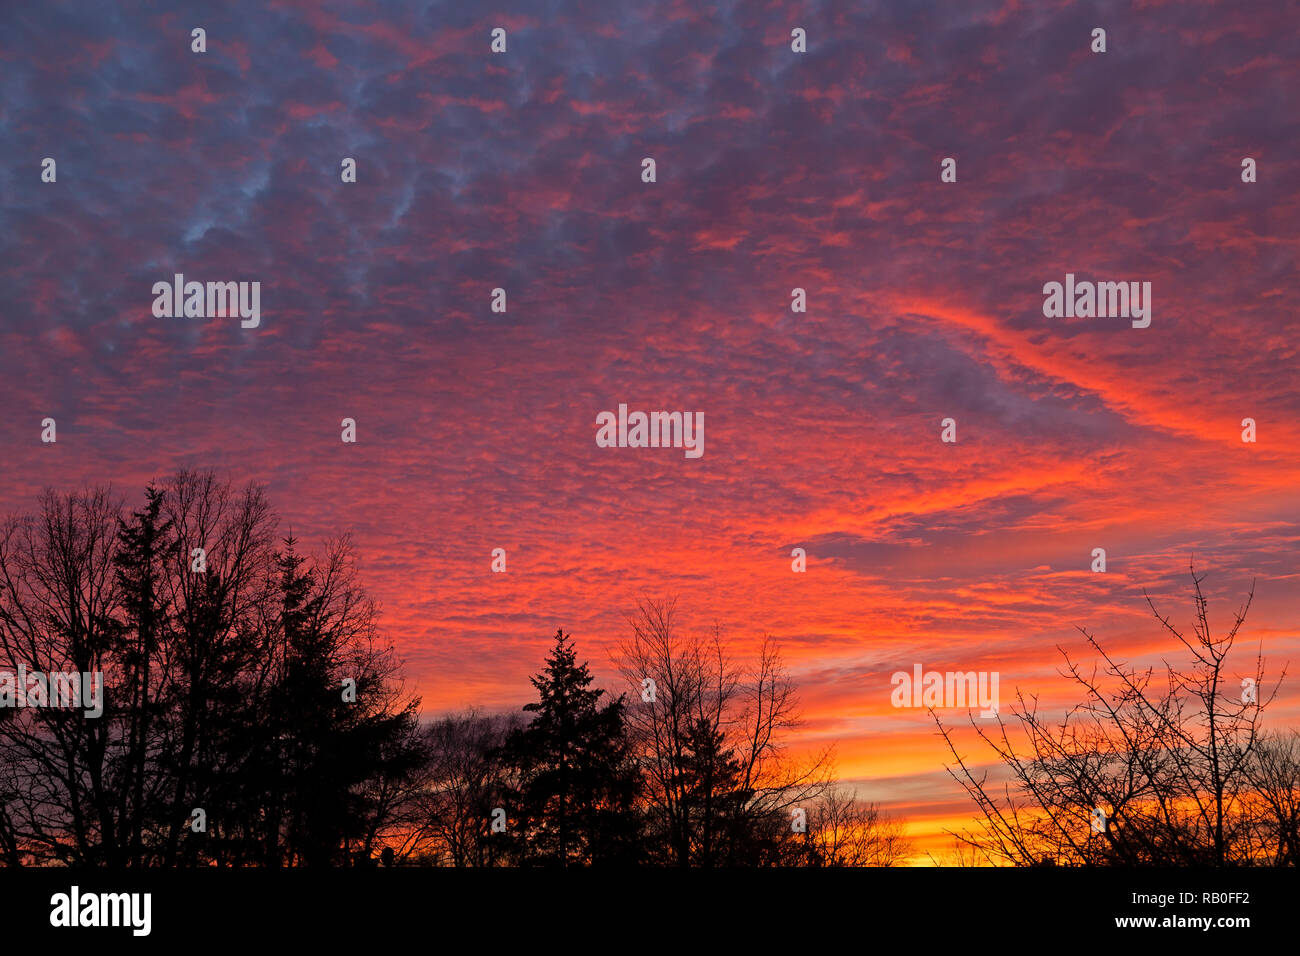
[713, 796]
[575, 786]
[329, 746]
[142, 546]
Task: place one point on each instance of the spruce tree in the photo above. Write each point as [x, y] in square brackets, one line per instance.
[572, 800]
[142, 547]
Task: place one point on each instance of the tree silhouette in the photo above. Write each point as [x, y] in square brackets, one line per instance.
[846, 831]
[464, 780]
[1171, 769]
[574, 785]
[253, 715]
[221, 688]
[717, 785]
[142, 543]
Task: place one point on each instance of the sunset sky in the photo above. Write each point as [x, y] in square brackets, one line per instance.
[775, 170]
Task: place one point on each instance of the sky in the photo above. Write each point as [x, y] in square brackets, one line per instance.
[774, 170]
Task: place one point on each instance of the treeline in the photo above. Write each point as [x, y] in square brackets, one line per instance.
[225, 737]
[254, 715]
[689, 769]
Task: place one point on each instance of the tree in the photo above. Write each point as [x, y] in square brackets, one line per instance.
[143, 543]
[463, 783]
[717, 783]
[1274, 816]
[1145, 771]
[573, 786]
[335, 739]
[219, 661]
[218, 584]
[59, 782]
[846, 831]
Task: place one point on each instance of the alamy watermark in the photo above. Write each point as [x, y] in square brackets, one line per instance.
[193, 300]
[75, 909]
[1104, 300]
[651, 430]
[951, 689]
[24, 688]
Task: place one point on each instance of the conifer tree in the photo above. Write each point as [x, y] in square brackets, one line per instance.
[572, 800]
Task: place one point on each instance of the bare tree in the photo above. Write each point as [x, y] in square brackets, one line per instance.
[719, 785]
[1274, 816]
[960, 853]
[58, 601]
[463, 784]
[846, 831]
[1152, 768]
[217, 590]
